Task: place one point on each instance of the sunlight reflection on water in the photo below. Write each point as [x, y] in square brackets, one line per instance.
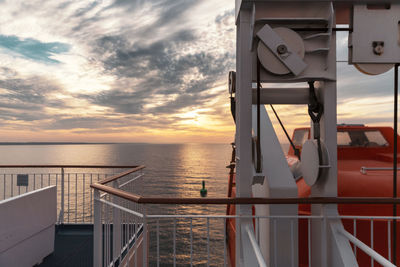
[171, 170]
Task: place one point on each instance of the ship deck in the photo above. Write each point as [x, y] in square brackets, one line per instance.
[73, 246]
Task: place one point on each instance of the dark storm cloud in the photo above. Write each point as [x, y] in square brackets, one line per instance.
[182, 101]
[13, 115]
[83, 122]
[162, 70]
[29, 93]
[121, 101]
[82, 11]
[26, 98]
[169, 11]
[173, 10]
[109, 122]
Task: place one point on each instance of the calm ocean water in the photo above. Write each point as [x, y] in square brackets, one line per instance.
[171, 170]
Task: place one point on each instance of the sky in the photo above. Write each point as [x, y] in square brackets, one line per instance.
[140, 71]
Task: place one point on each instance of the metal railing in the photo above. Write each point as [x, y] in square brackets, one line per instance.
[74, 197]
[364, 170]
[201, 239]
[127, 233]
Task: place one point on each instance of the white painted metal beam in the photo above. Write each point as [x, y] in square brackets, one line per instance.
[282, 96]
[279, 242]
[243, 124]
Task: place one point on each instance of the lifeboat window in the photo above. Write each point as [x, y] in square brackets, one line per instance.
[343, 139]
[300, 136]
[360, 138]
[377, 138]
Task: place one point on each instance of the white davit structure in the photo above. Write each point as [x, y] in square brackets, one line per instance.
[284, 42]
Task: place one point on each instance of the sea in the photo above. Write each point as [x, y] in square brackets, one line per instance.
[172, 170]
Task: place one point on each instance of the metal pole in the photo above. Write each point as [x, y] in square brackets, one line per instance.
[61, 219]
[396, 89]
[116, 226]
[258, 117]
[97, 231]
[144, 234]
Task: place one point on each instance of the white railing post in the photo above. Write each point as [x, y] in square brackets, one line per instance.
[61, 217]
[144, 237]
[116, 227]
[97, 231]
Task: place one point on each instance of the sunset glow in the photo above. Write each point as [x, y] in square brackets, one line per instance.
[152, 71]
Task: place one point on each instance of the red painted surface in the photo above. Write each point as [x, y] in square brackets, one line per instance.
[352, 183]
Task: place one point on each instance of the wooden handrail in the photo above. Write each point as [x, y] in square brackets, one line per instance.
[243, 200]
[71, 166]
[122, 174]
[116, 192]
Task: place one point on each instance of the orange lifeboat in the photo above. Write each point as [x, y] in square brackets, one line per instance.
[365, 169]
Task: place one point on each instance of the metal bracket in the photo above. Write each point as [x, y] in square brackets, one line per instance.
[280, 49]
[258, 178]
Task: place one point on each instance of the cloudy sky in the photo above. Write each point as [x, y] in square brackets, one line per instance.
[139, 71]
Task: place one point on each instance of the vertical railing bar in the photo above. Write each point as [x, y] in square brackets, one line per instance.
[292, 241]
[372, 240]
[355, 235]
[131, 219]
[69, 198]
[41, 180]
[76, 197]
[91, 197]
[224, 222]
[121, 234]
[48, 182]
[116, 222]
[83, 200]
[97, 231]
[110, 256]
[258, 230]
[4, 189]
[12, 185]
[191, 242]
[19, 187]
[135, 234]
[144, 234]
[158, 243]
[275, 245]
[125, 232]
[208, 241]
[389, 242]
[34, 181]
[126, 220]
[122, 219]
[103, 232]
[174, 241]
[62, 194]
[106, 234]
[309, 240]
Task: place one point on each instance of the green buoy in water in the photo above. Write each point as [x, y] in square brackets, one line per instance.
[203, 191]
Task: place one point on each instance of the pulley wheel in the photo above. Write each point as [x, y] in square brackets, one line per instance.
[310, 166]
[373, 69]
[270, 62]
